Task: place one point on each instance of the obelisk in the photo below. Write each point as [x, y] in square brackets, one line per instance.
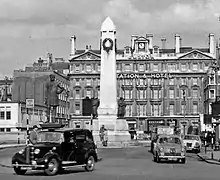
[107, 111]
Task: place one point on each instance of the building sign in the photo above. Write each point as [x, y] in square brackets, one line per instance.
[143, 76]
[152, 124]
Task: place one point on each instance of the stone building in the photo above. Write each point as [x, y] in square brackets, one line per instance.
[160, 85]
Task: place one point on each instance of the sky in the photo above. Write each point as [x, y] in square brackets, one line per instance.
[31, 28]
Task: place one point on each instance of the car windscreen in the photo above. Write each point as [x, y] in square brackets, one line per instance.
[50, 137]
[173, 140]
[191, 138]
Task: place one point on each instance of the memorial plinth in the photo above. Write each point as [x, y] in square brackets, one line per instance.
[107, 111]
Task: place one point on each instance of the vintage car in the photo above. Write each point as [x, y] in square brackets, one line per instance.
[169, 147]
[192, 143]
[57, 149]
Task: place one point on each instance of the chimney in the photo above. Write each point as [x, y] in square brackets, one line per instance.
[133, 37]
[163, 40]
[177, 43]
[150, 38]
[211, 43]
[73, 45]
[87, 47]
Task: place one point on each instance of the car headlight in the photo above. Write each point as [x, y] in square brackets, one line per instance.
[161, 149]
[21, 151]
[36, 151]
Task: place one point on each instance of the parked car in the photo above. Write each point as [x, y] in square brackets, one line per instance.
[170, 148]
[57, 149]
[192, 143]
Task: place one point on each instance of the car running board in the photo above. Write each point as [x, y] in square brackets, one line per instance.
[71, 166]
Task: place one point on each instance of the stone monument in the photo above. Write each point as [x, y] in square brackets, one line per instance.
[107, 111]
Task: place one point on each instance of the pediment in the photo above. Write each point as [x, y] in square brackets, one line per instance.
[141, 38]
[87, 55]
[195, 54]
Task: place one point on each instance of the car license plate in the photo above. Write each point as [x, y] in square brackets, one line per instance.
[172, 159]
[26, 168]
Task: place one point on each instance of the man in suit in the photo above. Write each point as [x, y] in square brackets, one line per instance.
[33, 135]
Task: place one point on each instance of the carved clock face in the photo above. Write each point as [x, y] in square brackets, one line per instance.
[141, 45]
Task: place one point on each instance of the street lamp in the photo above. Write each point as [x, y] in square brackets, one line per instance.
[67, 111]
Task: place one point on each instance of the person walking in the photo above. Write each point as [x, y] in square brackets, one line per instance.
[33, 135]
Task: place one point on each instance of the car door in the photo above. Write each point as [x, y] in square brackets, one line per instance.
[81, 149]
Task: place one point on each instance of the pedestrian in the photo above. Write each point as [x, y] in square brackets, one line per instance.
[33, 135]
[103, 135]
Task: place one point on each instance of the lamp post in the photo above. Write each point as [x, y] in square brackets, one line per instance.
[67, 111]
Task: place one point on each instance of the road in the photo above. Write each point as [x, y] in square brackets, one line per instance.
[123, 164]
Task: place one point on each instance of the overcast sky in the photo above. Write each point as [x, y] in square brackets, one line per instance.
[31, 28]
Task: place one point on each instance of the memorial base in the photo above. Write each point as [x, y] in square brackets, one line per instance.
[117, 129]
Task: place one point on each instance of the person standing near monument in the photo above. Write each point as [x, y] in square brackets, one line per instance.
[53, 89]
[103, 135]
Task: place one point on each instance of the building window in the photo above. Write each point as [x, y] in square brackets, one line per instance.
[2, 115]
[195, 82]
[141, 94]
[8, 115]
[77, 106]
[183, 108]
[88, 93]
[98, 82]
[118, 67]
[183, 81]
[155, 67]
[141, 67]
[127, 67]
[141, 111]
[171, 109]
[195, 108]
[195, 67]
[155, 110]
[99, 68]
[77, 68]
[171, 67]
[128, 82]
[155, 82]
[183, 67]
[8, 129]
[128, 94]
[171, 81]
[88, 82]
[195, 93]
[211, 80]
[129, 110]
[77, 94]
[77, 83]
[171, 93]
[141, 82]
[88, 67]
[211, 94]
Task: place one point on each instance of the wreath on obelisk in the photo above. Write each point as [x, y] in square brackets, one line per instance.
[107, 44]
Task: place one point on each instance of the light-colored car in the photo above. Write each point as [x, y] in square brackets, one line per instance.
[169, 147]
[192, 143]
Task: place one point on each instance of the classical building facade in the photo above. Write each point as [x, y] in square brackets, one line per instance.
[160, 85]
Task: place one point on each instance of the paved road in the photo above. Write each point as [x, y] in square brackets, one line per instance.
[125, 164]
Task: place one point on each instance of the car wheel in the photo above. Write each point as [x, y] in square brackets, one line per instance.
[52, 167]
[90, 164]
[19, 171]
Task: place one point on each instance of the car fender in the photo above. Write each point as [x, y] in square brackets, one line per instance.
[91, 152]
[19, 158]
[50, 155]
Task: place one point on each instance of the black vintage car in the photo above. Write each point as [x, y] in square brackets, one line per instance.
[57, 149]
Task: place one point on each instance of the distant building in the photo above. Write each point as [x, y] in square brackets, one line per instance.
[6, 89]
[30, 84]
[152, 80]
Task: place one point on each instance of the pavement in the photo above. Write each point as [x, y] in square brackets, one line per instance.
[210, 156]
